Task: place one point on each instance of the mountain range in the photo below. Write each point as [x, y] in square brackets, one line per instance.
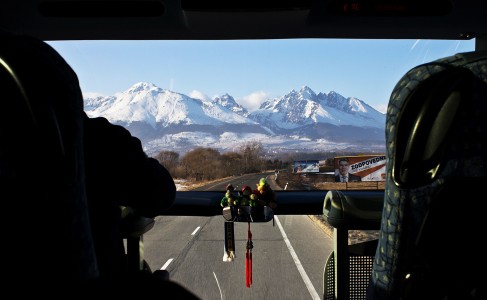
[300, 121]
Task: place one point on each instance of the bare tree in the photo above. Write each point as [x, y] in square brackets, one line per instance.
[202, 163]
[232, 163]
[252, 157]
[169, 159]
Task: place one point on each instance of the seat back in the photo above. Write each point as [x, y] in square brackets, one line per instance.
[45, 217]
[348, 267]
[49, 248]
[432, 221]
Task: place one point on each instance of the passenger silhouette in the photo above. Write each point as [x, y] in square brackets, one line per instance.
[119, 173]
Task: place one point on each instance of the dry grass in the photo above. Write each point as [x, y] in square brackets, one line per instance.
[354, 236]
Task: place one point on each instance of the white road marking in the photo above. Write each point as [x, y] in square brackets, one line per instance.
[171, 259]
[217, 283]
[167, 264]
[196, 230]
[301, 270]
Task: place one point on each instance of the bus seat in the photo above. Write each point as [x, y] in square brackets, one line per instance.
[432, 222]
[45, 222]
[348, 267]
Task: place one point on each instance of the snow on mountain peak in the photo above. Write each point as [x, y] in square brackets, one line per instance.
[143, 86]
[307, 93]
[145, 102]
[174, 115]
[357, 105]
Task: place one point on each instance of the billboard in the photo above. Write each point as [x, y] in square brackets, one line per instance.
[306, 166]
[360, 168]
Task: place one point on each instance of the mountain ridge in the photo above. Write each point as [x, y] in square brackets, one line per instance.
[299, 120]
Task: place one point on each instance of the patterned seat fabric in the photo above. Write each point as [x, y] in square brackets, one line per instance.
[436, 134]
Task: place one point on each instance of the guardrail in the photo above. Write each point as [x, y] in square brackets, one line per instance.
[362, 185]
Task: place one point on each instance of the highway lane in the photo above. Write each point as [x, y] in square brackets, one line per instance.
[287, 263]
[289, 254]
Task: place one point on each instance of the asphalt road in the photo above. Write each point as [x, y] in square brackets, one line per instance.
[288, 257]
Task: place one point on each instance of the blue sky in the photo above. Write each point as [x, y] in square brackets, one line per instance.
[253, 71]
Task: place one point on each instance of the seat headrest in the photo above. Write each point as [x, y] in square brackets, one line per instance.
[430, 113]
[435, 161]
[430, 116]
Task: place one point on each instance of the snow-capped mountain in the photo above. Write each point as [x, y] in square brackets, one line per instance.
[299, 121]
[228, 102]
[302, 108]
[147, 103]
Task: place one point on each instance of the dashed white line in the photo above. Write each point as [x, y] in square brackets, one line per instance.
[171, 259]
[167, 264]
[196, 230]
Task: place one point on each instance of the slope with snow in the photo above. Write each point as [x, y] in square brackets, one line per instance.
[299, 121]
